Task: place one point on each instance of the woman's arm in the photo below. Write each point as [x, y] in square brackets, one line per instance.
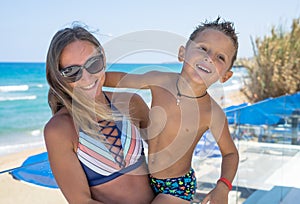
[61, 141]
[140, 110]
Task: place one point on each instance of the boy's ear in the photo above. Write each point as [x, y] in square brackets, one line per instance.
[227, 76]
[181, 53]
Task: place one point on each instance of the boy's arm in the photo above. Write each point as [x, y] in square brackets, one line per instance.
[136, 81]
[122, 79]
[230, 156]
[230, 160]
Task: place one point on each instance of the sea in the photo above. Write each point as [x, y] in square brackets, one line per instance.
[24, 107]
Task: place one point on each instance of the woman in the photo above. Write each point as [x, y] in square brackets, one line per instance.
[94, 146]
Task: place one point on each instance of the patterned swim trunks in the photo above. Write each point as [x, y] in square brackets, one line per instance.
[183, 187]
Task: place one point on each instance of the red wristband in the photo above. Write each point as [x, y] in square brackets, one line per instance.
[227, 182]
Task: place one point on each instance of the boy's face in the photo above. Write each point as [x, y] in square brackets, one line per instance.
[208, 57]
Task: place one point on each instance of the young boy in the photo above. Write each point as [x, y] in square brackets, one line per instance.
[182, 110]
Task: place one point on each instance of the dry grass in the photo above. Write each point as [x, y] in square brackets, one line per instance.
[275, 68]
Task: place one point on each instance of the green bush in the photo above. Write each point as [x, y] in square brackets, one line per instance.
[275, 68]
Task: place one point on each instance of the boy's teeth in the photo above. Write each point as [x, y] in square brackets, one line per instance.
[203, 68]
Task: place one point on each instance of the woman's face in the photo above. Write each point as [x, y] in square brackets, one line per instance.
[78, 53]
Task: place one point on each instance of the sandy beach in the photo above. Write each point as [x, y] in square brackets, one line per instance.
[14, 191]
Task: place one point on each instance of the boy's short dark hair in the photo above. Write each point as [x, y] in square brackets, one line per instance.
[225, 27]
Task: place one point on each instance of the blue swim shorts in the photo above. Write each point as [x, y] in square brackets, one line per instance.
[183, 187]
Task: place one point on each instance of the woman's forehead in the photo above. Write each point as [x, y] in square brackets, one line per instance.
[77, 52]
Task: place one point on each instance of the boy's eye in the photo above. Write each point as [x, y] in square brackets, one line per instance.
[221, 58]
[203, 48]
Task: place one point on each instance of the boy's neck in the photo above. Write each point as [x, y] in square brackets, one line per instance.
[186, 87]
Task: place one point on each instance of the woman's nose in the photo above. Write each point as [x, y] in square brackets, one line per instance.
[85, 75]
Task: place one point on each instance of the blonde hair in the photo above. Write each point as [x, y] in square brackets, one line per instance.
[84, 110]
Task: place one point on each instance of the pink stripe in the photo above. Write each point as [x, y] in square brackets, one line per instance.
[98, 157]
[133, 145]
[138, 146]
[96, 166]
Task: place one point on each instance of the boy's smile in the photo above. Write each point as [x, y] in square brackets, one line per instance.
[203, 68]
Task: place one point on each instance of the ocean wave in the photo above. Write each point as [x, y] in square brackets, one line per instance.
[40, 85]
[17, 98]
[37, 85]
[36, 132]
[14, 88]
[19, 88]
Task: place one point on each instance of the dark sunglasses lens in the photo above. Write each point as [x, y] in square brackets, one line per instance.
[95, 66]
[72, 73]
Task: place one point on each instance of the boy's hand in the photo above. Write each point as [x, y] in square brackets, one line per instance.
[219, 195]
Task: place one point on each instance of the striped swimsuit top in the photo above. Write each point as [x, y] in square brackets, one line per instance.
[104, 161]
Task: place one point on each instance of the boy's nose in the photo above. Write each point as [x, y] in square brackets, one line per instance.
[207, 59]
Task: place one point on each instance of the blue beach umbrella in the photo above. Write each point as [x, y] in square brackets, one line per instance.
[270, 111]
[36, 170]
[231, 114]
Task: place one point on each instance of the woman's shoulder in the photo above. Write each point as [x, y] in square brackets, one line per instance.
[61, 123]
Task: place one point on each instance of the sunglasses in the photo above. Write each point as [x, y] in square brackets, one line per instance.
[93, 65]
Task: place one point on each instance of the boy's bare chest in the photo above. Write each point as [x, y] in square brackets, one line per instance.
[171, 122]
[190, 118]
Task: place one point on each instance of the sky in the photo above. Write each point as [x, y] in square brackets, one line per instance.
[27, 27]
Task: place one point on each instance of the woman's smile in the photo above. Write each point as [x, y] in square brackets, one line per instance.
[90, 86]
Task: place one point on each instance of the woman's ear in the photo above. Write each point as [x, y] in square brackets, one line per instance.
[181, 54]
[226, 76]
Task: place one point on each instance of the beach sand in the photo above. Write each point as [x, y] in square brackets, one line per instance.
[13, 191]
[232, 98]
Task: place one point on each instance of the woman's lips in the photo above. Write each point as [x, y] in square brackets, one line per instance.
[88, 87]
